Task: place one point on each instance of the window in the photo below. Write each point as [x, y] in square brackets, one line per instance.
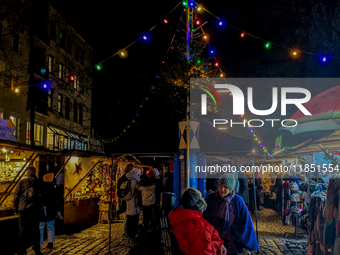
[62, 38]
[16, 43]
[82, 57]
[50, 99]
[76, 53]
[53, 31]
[75, 82]
[75, 111]
[61, 71]
[80, 114]
[60, 104]
[15, 119]
[50, 64]
[67, 108]
[69, 45]
[38, 133]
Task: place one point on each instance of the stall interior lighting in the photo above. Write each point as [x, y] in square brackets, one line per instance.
[73, 159]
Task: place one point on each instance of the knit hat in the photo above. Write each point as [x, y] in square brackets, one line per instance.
[228, 180]
[192, 199]
[48, 177]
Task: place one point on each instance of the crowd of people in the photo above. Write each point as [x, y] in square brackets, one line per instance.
[218, 224]
[36, 203]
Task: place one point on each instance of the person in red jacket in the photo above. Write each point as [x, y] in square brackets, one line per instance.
[193, 233]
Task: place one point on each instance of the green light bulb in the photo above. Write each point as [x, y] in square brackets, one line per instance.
[99, 67]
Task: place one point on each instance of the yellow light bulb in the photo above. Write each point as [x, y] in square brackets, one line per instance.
[16, 90]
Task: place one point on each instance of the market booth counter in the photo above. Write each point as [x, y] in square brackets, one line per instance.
[86, 180]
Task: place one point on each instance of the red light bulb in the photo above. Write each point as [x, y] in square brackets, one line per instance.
[243, 34]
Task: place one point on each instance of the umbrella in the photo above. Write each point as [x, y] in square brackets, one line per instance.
[325, 110]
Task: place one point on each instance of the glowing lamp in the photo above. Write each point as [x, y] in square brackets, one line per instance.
[198, 22]
[144, 37]
[212, 52]
[99, 67]
[216, 64]
[166, 21]
[205, 37]
[45, 85]
[16, 90]
[72, 78]
[256, 139]
[199, 8]
[198, 61]
[267, 45]
[295, 53]
[251, 130]
[221, 75]
[324, 59]
[184, 3]
[243, 34]
[220, 23]
[73, 159]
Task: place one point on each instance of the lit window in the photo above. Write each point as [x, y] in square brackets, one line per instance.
[50, 64]
[60, 71]
[60, 103]
[38, 133]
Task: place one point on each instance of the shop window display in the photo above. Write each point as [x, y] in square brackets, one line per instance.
[91, 184]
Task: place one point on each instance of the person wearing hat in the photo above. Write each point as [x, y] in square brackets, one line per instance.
[51, 210]
[227, 212]
[193, 233]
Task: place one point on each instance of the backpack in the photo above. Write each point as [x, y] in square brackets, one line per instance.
[32, 197]
[124, 188]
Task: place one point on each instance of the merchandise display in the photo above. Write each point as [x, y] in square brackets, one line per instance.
[94, 185]
[8, 171]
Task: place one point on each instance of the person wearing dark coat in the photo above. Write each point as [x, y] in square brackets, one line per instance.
[243, 188]
[51, 210]
[227, 212]
[28, 213]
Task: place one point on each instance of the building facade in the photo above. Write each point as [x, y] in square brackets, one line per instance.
[45, 68]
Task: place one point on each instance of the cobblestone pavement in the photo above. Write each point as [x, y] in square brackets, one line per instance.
[91, 241]
[94, 240]
[272, 239]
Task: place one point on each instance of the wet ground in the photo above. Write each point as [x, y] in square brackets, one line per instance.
[95, 239]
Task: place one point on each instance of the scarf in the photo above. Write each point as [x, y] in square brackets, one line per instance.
[223, 210]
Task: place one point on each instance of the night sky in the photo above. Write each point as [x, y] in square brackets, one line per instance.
[123, 84]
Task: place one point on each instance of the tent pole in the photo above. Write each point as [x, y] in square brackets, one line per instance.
[255, 204]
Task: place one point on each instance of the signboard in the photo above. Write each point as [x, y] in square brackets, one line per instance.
[7, 129]
[95, 145]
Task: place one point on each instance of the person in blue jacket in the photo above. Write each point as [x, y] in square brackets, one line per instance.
[227, 212]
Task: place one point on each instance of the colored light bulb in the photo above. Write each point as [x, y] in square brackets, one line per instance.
[220, 23]
[198, 62]
[166, 21]
[144, 37]
[16, 90]
[243, 34]
[205, 37]
[267, 45]
[221, 75]
[212, 52]
[99, 67]
[216, 64]
[199, 8]
[198, 22]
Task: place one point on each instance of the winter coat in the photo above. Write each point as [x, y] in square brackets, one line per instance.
[52, 205]
[20, 203]
[148, 194]
[243, 190]
[241, 229]
[193, 233]
[132, 207]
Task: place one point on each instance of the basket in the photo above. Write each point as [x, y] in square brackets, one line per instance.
[104, 207]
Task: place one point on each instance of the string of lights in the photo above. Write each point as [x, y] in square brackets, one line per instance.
[267, 44]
